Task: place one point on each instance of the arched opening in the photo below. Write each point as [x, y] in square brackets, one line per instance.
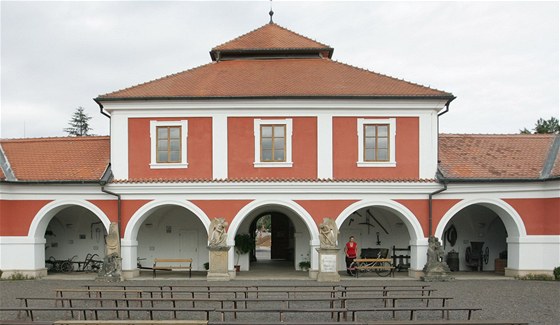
[475, 240]
[289, 233]
[171, 231]
[74, 241]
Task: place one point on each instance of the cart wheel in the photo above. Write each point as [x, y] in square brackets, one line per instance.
[353, 269]
[66, 266]
[486, 255]
[383, 272]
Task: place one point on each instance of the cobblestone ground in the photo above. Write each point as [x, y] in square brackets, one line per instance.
[536, 302]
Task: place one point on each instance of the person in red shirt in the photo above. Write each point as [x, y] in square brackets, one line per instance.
[350, 250]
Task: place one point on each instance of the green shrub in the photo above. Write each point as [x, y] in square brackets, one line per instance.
[557, 273]
[304, 265]
[536, 277]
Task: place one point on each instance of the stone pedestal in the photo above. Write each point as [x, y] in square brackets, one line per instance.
[111, 271]
[327, 265]
[218, 270]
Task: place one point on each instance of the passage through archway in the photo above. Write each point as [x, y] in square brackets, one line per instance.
[475, 239]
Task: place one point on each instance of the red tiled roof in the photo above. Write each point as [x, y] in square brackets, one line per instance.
[276, 78]
[271, 37]
[273, 61]
[518, 156]
[556, 168]
[58, 159]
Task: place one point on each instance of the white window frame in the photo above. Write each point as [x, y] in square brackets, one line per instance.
[257, 134]
[153, 144]
[392, 135]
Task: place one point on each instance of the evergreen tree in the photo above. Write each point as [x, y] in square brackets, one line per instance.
[544, 126]
[79, 125]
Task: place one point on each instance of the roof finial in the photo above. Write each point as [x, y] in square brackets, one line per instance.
[271, 13]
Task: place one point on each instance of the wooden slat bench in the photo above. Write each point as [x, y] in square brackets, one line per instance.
[172, 264]
[414, 311]
[281, 311]
[129, 322]
[94, 311]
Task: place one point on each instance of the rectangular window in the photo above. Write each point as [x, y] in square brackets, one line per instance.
[376, 142]
[168, 144]
[273, 143]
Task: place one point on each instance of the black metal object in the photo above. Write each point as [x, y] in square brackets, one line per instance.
[475, 257]
[374, 253]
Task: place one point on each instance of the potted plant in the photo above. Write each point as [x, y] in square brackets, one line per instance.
[207, 266]
[304, 265]
[244, 243]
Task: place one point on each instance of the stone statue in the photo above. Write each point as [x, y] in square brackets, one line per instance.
[112, 242]
[436, 269]
[112, 267]
[328, 233]
[217, 235]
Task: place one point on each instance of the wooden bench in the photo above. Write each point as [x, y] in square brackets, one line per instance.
[414, 311]
[128, 322]
[172, 264]
[281, 311]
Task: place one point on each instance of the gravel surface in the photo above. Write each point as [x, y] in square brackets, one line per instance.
[536, 302]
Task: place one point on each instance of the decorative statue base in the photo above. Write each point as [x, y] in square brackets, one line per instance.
[327, 265]
[218, 264]
[436, 270]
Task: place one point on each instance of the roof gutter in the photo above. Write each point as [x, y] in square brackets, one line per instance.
[148, 98]
[101, 109]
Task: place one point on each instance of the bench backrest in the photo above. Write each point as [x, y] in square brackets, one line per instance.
[173, 260]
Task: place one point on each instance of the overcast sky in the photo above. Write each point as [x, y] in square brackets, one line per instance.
[500, 59]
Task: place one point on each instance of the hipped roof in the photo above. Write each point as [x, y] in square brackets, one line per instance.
[274, 62]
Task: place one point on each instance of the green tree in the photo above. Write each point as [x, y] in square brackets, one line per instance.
[544, 126]
[79, 124]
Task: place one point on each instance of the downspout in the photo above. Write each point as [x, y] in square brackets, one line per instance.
[430, 206]
[438, 174]
[104, 180]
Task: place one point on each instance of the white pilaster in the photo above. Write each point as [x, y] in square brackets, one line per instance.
[428, 146]
[119, 146]
[13, 248]
[219, 146]
[324, 146]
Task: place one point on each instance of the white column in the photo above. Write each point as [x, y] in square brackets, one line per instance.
[219, 147]
[324, 146]
[418, 257]
[129, 254]
[119, 146]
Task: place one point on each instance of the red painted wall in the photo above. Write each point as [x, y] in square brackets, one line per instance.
[199, 150]
[109, 207]
[541, 216]
[345, 151]
[420, 208]
[320, 209]
[128, 208]
[16, 216]
[226, 209]
[241, 150]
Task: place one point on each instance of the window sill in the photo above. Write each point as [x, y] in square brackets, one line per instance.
[377, 164]
[169, 166]
[272, 164]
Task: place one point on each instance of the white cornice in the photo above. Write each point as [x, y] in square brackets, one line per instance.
[232, 107]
